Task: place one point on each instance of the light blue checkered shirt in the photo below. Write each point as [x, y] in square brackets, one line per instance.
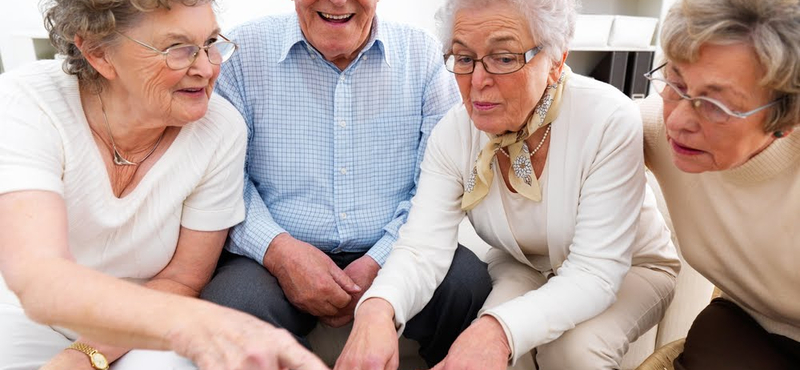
[333, 155]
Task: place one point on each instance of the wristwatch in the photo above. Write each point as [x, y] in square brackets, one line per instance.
[98, 361]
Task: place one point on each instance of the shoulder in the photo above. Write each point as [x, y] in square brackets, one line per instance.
[42, 78]
[599, 107]
[455, 131]
[260, 26]
[409, 41]
[222, 124]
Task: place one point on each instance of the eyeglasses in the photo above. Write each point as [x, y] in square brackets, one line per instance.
[183, 55]
[710, 109]
[496, 64]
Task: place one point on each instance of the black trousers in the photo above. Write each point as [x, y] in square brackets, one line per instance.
[725, 337]
[245, 285]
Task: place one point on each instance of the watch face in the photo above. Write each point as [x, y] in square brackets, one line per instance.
[99, 361]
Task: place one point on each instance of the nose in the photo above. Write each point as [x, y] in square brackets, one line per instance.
[480, 77]
[680, 116]
[202, 65]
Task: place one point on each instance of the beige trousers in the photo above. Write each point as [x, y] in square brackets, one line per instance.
[600, 342]
[26, 345]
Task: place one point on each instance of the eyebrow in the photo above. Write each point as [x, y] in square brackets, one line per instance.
[184, 39]
[724, 88]
[494, 40]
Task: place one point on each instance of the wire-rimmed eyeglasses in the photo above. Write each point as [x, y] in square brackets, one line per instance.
[183, 55]
[497, 64]
[709, 108]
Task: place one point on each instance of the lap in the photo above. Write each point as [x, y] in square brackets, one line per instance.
[723, 336]
[641, 302]
[27, 345]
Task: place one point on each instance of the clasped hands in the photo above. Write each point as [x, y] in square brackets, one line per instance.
[313, 283]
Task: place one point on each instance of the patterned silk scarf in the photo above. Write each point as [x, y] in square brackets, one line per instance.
[520, 173]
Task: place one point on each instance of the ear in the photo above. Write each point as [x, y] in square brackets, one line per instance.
[97, 58]
[556, 69]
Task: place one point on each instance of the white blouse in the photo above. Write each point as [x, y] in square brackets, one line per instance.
[46, 144]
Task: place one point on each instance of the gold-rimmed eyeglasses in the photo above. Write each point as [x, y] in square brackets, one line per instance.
[710, 109]
[496, 64]
[183, 55]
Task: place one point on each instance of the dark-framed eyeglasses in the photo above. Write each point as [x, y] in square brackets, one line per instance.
[710, 109]
[183, 55]
[497, 64]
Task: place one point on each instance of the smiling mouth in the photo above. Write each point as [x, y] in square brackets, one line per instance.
[192, 90]
[334, 18]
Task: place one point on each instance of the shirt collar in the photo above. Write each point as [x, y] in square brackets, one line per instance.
[294, 35]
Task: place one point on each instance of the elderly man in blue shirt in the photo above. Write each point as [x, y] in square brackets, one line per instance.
[339, 106]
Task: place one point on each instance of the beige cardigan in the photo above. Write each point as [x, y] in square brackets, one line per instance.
[739, 228]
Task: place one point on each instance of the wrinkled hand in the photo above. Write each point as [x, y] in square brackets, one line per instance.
[68, 359]
[362, 271]
[224, 339]
[309, 278]
[483, 346]
[372, 344]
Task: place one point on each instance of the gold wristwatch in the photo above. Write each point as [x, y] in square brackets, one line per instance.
[98, 361]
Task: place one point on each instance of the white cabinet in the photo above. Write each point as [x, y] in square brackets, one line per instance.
[614, 31]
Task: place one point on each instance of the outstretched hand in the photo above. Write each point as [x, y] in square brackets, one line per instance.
[483, 346]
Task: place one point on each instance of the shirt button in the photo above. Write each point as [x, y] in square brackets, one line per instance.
[343, 215]
[365, 57]
[341, 78]
[342, 123]
[343, 171]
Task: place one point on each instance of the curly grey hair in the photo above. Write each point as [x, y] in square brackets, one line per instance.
[96, 22]
[772, 27]
[552, 22]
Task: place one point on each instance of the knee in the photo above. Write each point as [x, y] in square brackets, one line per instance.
[468, 279]
[580, 349]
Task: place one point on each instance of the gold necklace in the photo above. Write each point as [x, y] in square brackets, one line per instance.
[119, 160]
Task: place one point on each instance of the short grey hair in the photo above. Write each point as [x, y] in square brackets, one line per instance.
[552, 22]
[96, 22]
[772, 27]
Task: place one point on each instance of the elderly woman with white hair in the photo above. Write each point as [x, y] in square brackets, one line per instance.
[721, 141]
[548, 166]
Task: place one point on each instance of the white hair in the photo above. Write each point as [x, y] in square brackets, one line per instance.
[552, 22]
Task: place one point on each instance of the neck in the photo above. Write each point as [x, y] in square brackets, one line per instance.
[130, 135]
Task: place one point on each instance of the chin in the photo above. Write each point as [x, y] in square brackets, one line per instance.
[690, 166]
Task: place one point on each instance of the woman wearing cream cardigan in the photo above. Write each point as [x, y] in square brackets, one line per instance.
[548, 167]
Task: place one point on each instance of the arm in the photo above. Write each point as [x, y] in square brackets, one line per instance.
[418, 262]
[253, 236]
[599, 256]
[310, 280]
[187, 273]
[440, 95]
[143, 318]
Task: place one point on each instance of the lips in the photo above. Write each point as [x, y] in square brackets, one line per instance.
[682, 149]
[192, 89]
[483, 106]
[336, 18]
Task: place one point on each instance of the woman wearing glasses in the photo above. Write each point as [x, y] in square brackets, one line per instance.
[548, 167]
[720, 141]
[121, 173]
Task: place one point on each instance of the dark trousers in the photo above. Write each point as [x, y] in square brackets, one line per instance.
[245, 285]
[723, 336]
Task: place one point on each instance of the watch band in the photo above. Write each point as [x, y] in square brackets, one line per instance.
[97, 359]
